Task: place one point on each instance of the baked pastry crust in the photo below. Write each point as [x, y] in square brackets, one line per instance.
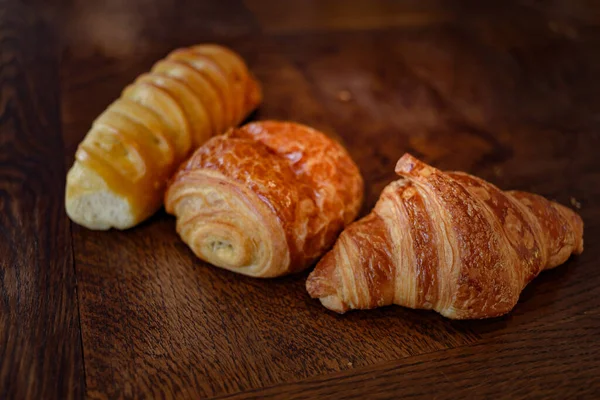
[266, 199]
[124, 162]
[450, 242]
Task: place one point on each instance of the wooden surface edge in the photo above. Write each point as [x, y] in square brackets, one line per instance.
[40, 341]
[557, 361]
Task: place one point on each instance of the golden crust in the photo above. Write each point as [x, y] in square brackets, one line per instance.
[295, 180]
[445, 241]
[138, 142]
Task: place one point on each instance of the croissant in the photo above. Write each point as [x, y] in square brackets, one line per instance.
[124, 162]
[449, 242]
[266, 199]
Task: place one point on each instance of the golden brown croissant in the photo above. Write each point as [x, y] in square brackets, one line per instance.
[450, 242]
[266, 199]
[123, 164]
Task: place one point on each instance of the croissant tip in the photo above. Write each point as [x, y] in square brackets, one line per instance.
[406, 164]
[318, 288]
[315, 287]
[334, 303]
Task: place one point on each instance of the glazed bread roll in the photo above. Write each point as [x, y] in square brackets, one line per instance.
[266, 199]
[124, 162]
[449, 242]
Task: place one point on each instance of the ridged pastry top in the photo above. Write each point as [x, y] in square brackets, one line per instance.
[446, 241]
[307, 182]
[138, 142]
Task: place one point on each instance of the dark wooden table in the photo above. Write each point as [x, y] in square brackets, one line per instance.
[510, 93]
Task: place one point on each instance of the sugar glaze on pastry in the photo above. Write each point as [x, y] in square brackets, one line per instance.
[124, 162]
[266, 199]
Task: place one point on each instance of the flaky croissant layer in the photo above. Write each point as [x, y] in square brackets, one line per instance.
[266, 199]
[450, 242]
[122, 166]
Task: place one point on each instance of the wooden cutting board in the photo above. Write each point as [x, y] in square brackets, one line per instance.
[510, 94]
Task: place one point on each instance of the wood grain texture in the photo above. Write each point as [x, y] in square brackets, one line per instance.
[40, 344]
[173, 325]
[506, 92]
[511, 366]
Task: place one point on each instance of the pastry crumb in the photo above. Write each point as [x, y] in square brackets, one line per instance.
[344, 95]
[575, 203]
[350, 363]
